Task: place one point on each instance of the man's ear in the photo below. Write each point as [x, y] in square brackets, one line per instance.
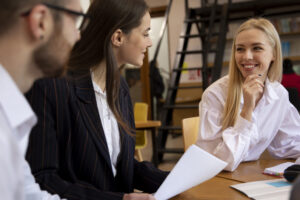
[40, 22]
[117, 38]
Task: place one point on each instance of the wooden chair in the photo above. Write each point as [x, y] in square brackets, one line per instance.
[140, 114]
[190, 129]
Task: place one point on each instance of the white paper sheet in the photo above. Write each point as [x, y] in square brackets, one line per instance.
[193, 168]
[278, 170]
[274, 189]
[298, 161]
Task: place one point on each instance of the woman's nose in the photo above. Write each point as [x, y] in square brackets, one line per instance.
[248, 55]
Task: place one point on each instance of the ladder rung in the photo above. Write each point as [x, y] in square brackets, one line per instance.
[170, 150]
[175, 128]
[180, 106]
[186, 69]
[203, 19]
[184, 87]
[196, 20]
[195, 51]
[198, 35]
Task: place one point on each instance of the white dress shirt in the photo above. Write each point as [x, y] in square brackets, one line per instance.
[16, 121]
[110, 126]
[275, 126]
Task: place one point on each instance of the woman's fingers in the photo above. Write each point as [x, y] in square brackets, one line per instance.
[253, 88]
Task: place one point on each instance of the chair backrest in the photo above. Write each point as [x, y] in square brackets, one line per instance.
[140, 111]
[190, 129]
[140, 114]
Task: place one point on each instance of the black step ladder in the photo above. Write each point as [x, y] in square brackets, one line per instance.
[207, 33]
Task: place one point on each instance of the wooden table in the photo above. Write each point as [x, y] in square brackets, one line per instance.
[252, 171]
[150, 125]
[218, 188]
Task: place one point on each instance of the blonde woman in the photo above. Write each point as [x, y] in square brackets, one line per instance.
[248, 111]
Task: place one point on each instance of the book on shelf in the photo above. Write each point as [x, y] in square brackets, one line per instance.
[287, 25]
[286, 48]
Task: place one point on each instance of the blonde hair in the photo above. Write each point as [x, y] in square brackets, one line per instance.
[232, 105]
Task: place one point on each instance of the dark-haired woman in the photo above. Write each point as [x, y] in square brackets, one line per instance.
[83, 146]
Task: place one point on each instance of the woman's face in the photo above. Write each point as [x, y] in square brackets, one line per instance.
[136, 43]
[253, 52]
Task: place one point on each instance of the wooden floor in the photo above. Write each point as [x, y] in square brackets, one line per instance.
[169, 160]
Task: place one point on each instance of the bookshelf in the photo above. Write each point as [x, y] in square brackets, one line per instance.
[292, 58]
[289, 32]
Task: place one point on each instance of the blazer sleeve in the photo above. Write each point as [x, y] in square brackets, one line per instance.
[147, 177]
[43, 147]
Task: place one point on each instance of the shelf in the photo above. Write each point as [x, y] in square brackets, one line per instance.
[280, 34]
[289, 33]
[292, 58]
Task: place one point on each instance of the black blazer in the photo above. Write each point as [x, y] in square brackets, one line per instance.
[68, 153]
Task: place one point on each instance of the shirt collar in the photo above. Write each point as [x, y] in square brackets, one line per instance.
[14, 104]
[269, 92]
[97, 89]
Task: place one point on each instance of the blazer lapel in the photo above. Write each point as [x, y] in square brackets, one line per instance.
[88, 107]
[125, 174]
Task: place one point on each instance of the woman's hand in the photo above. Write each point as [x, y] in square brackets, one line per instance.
[138, 196]
[253, 89]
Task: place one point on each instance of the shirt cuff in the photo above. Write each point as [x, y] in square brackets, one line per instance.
[243, 126]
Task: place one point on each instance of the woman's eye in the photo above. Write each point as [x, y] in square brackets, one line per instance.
[257, 48]
[239, 49]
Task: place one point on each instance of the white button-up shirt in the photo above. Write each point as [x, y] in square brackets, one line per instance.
[16, 121]
[275, 126]
[110, 126]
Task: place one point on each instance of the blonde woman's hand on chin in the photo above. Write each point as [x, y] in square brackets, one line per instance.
[253, 89]
[138, 196]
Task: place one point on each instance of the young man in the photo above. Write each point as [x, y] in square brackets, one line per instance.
[36, 37]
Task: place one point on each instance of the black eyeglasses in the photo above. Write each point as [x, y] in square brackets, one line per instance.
[82, 19]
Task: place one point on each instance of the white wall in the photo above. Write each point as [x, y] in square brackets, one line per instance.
[163, 56]
[157, 3]
[85, 4]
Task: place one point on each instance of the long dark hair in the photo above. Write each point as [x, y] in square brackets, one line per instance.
[106, 16]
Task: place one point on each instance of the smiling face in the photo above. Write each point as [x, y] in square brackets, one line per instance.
[253, 53]
[135, 44]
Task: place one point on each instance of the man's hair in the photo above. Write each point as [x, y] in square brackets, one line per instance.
[11, 11]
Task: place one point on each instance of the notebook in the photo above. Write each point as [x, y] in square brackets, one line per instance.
[278, 170]
[266, 190]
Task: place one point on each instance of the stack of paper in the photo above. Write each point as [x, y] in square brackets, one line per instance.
[278, 170]
[193, 168]
[266, 190]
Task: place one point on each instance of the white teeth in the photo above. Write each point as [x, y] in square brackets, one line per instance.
[248, 66]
